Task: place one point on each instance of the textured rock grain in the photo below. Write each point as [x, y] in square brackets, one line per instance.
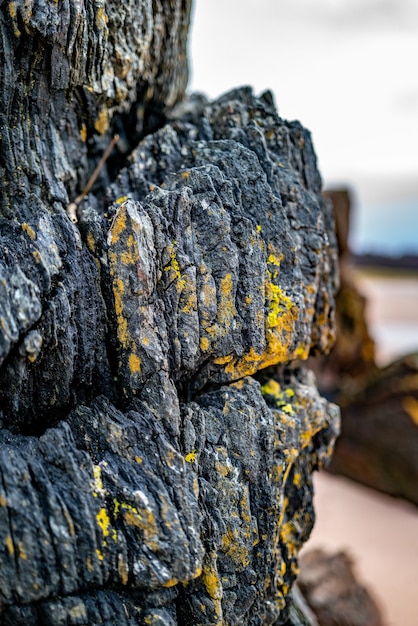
[67, 68]
[157, 444]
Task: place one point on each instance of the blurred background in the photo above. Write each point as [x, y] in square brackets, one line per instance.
[347, 70]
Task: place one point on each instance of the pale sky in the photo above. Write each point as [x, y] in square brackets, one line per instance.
[347, 69]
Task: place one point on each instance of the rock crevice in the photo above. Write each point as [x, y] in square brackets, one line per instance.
[158, 437]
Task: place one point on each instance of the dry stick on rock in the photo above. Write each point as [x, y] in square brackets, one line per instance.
[72, 207]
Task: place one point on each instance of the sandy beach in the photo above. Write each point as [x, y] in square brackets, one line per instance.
[379, 532]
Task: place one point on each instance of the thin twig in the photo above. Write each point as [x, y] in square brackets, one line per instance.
[72, 207]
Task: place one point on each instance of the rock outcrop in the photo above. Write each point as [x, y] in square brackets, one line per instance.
[157, 441]
[334, 593]
[378, 445]
[379, 441]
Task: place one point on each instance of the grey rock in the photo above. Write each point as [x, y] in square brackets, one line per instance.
[157, 442]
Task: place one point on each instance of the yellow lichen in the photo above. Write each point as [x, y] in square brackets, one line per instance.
[271, 388]
[172, 582]
[280, 601]
[280, 303]
[91, 243]
[171, 457]
[144, 520]
[233, 548]
[287, 408]
[116, 507]
[222, 468]
[204, 344]
[29, 231]
[297, 479]
[190, 457]
[98, 482]
[174, 268]
[278, 342]
[13, 15]
[211, 580]
[274, 260]
[103, 521]
[9, 545]
[101, 19]
[288, 536]
[221, 360]
[83, 133]
[189, 298]
[301, 352]
[239, 384]
[21, 551]
[102, 122]
[226, 307]
[279, 329]
[122, 328]
[134, 363]
[129, 257]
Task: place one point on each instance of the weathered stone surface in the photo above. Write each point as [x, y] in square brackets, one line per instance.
[157, 446]
[226, 509]
[253, 478]
[247, 283]
[72, 74]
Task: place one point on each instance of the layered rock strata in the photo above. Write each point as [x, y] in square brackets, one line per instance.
[158, 440]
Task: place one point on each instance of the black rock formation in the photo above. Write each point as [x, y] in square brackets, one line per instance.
[157, 444]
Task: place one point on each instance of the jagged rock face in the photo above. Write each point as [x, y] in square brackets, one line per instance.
[157, 444]
[67, 69]
[248, 284]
